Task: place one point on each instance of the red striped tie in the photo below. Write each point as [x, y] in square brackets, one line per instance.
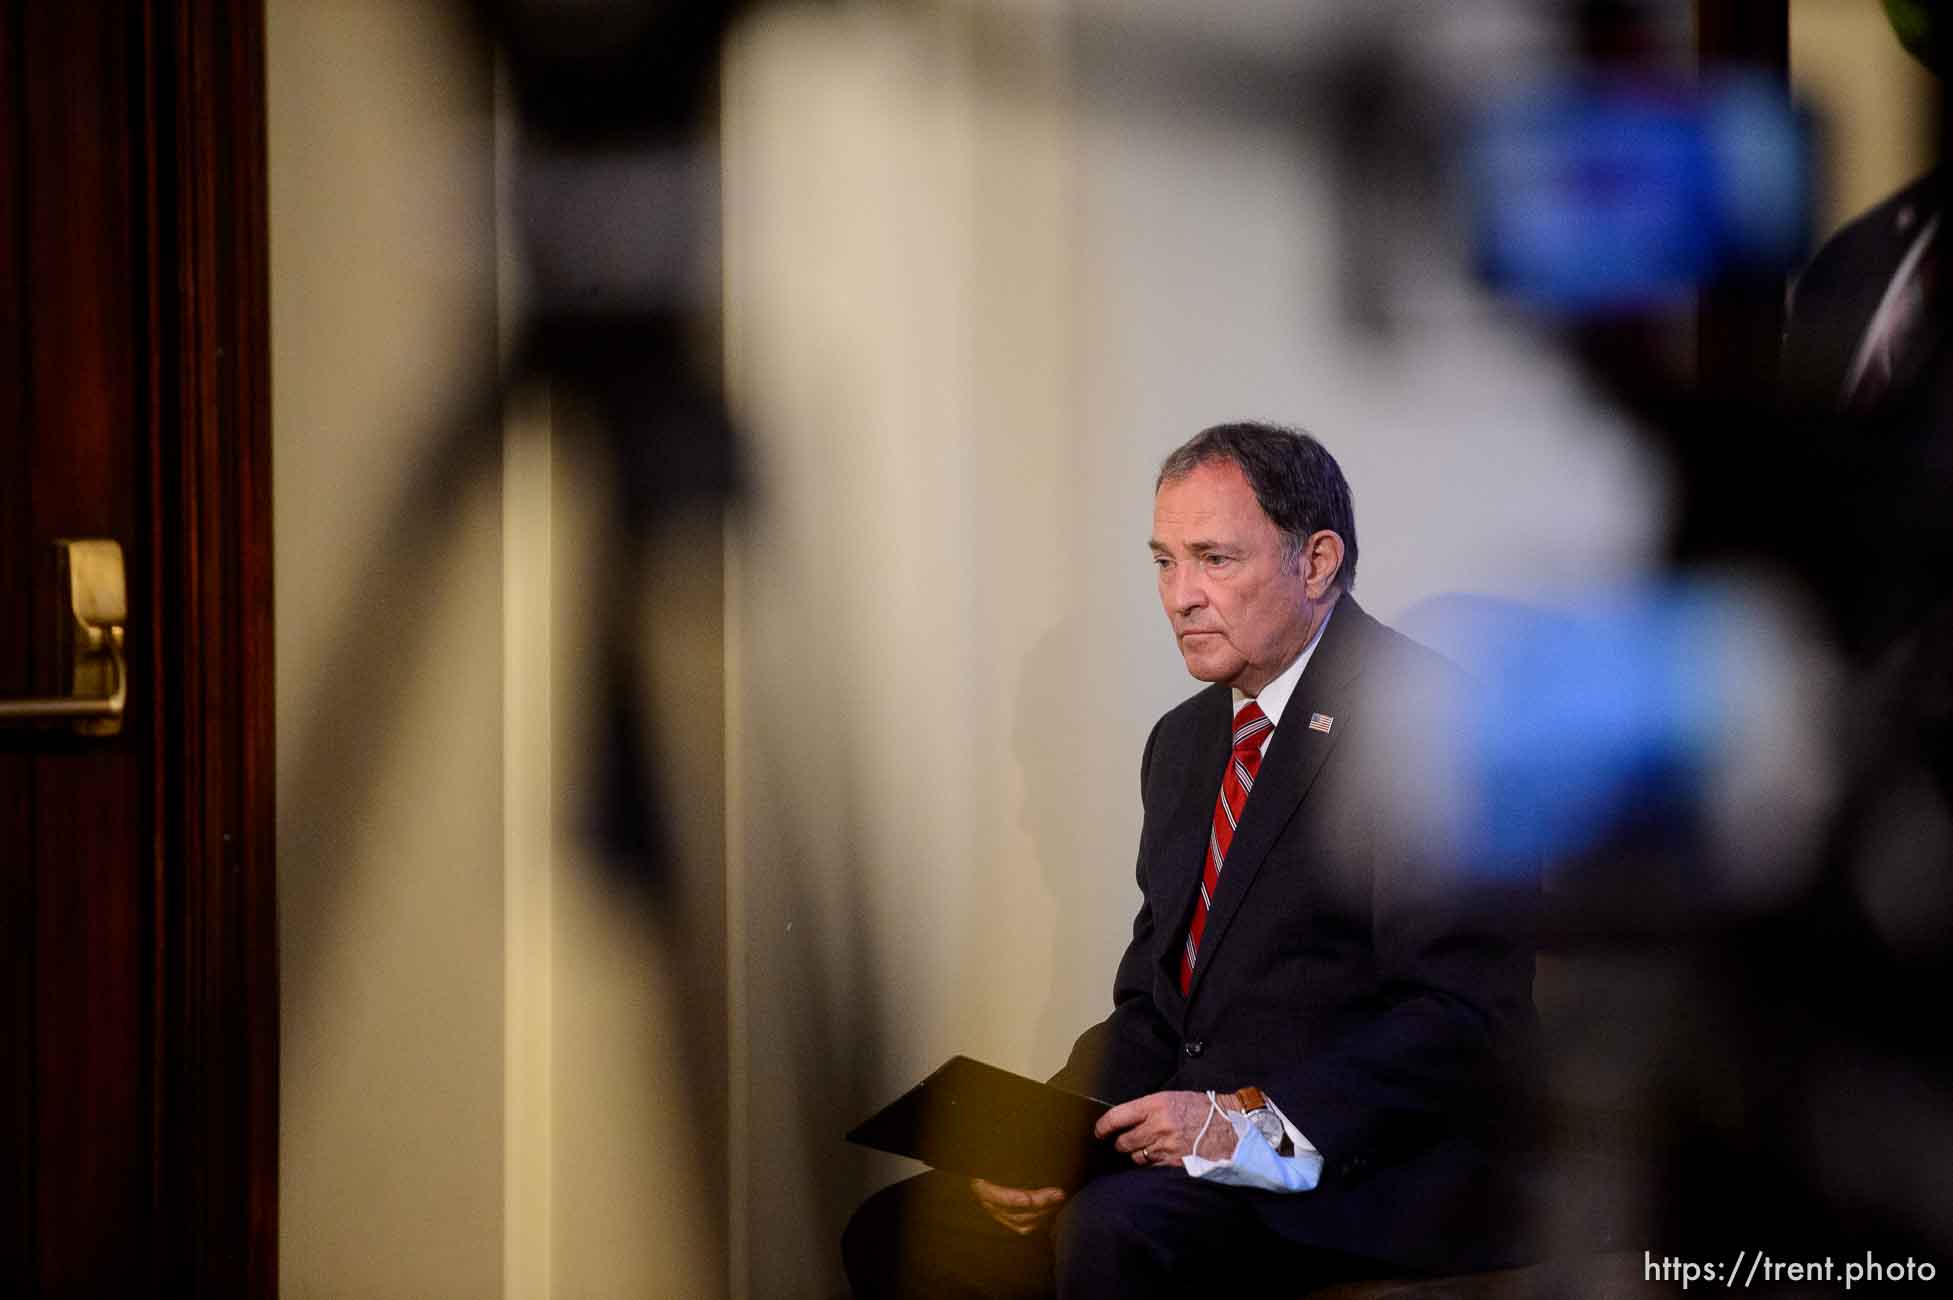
[1251, 727]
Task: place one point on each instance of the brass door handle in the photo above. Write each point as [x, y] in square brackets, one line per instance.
[88, 644]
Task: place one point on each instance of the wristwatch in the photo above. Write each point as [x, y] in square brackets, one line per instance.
[1254, 1105]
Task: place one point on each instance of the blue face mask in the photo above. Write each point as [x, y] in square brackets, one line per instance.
[1254, 1163]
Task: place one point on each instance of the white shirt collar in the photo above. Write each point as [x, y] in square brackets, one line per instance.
[1274, 696]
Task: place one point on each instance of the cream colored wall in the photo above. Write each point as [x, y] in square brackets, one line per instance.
[501, 1074]
[977, 285]
[637, 1143]
[389, 659]
[1875, 102]
[899, 324]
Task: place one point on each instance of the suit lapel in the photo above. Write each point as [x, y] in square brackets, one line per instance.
[1289, 768]
[1183, 847]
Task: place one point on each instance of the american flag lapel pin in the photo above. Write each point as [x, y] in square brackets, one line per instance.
[1321, 722]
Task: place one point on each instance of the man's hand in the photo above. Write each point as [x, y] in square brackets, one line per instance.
[1161, 1126]
[1021, 1209]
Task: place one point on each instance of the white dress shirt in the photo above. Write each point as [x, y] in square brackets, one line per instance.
[1254, 1163]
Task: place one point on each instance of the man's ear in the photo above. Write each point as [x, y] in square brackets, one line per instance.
[1322, 560]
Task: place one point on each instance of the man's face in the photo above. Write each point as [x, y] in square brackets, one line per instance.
[1240, 609]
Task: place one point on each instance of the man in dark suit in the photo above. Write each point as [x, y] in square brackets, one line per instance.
[1308, 947]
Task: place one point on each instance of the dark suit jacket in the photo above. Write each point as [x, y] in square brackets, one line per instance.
[1350, 968]
[1838, 293]
[1878, 468]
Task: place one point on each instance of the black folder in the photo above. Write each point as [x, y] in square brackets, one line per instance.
[975, 1119]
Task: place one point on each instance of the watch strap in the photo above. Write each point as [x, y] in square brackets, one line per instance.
[1250, 1100]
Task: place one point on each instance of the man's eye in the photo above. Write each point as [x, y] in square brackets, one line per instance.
[1216, 561]
[1160, 562]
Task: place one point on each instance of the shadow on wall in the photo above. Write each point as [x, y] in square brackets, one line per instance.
[364, 685]
[1060, 737]
[816, 1044]
[378, 656]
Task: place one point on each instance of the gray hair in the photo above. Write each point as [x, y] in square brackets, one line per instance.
[1297, 483]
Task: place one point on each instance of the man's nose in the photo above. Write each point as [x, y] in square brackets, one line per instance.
[1184, 590]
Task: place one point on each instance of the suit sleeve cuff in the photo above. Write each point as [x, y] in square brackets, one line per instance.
[1295, 1137]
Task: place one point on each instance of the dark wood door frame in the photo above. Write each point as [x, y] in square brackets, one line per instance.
[215, 998]
[1739, 328]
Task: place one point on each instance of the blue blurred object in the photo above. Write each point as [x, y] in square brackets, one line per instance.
[1600, 195]
[1582, 727]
